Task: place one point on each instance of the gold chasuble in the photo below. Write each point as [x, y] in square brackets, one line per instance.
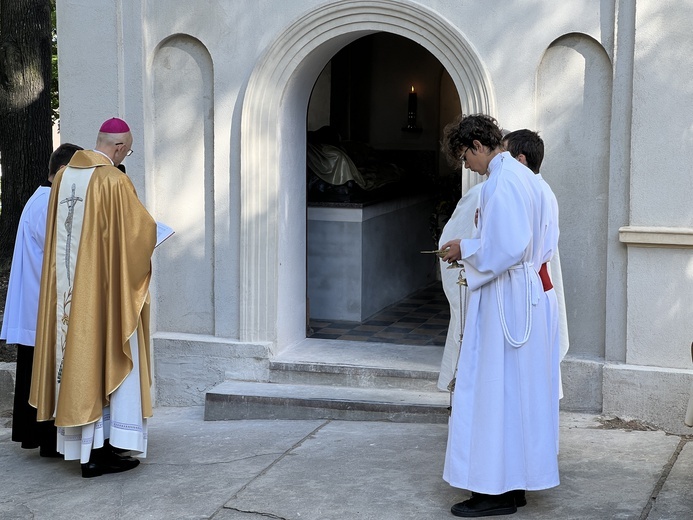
[94, 293]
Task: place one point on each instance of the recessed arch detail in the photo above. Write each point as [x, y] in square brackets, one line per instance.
[274, 99]
[181, 174]
[574, 113]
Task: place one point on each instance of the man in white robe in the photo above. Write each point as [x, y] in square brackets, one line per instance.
[528, 148]
[462, 224]
[501, 438]
[21, 308]
[91, 366]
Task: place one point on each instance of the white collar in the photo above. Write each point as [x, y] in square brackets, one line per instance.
[106, 156]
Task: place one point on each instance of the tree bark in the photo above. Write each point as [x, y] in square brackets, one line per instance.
[25, 109]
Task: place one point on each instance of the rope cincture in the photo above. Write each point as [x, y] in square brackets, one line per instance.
[525, 266]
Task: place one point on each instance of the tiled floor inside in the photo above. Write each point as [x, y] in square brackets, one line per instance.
[420, 319]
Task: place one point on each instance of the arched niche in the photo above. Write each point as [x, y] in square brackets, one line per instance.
[574, 90]
[273, 281]
[181, 136]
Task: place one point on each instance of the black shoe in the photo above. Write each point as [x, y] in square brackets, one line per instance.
[485, 505]
[117, 451]
[519, 496]
[95, 469]
[49, 452]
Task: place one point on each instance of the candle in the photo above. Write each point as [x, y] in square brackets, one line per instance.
[412, 102]
[411, 110]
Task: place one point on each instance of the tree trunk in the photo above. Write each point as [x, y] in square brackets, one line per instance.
[25, 109]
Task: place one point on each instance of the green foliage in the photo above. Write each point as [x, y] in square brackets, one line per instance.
[55, 101]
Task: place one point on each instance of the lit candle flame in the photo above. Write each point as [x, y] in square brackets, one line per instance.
[412, 88]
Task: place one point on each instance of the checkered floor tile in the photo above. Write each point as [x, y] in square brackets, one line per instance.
[420, 319]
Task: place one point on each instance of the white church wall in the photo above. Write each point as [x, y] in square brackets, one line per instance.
[265, 58]
[655, 382]
[655, 395]
[661, 187]
[660, 313]
[231, 36]
[512, 37]
[233, 43]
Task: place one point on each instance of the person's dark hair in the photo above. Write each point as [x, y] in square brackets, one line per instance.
[527, 143]
[462, 133]
[61, 156]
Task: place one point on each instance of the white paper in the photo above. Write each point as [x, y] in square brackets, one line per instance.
[162, 232]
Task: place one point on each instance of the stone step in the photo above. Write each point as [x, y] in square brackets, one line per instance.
[308, 373]
[358, 364]
[236, 400]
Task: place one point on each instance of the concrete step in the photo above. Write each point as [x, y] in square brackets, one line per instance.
[307, 373]
[358, 364]
[235, 400]
[345, 380]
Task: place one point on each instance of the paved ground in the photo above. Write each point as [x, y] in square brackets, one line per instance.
[323, 470]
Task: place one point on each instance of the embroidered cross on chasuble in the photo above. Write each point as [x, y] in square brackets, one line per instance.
[70, 215]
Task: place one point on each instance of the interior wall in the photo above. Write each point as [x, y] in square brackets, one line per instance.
[399, 64]
[371, 82]
[319, 104]
[448, 108]
[363, 92]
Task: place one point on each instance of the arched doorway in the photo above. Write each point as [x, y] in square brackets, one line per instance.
[273, 225]
[378, 193]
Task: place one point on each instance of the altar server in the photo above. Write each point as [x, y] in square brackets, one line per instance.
[501, 438]
[21, 307]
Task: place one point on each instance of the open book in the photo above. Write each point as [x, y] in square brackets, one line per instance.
[162, 232]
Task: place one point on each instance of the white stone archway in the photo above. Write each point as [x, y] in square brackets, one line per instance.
[273, 237]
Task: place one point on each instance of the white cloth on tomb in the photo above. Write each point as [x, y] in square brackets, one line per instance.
[121, 422]
[21, 305]
[460, 225]
[501, 431]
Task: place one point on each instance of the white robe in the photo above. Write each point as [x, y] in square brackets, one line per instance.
[550, 249]
[21, 305]
[460, 225]
[501, 432]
